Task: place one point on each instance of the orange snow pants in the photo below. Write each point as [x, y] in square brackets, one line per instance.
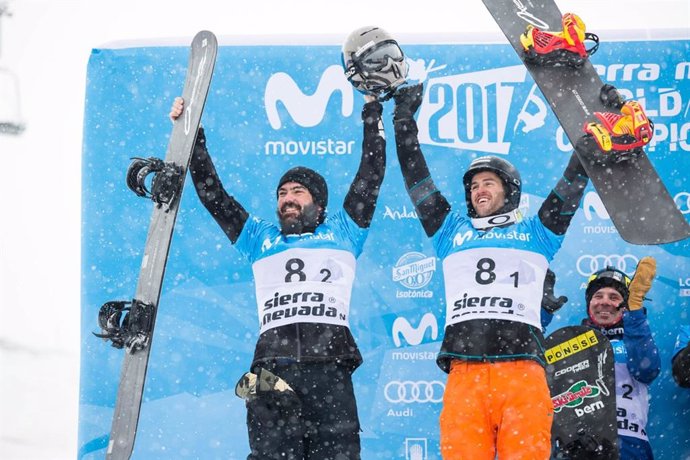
[501, 407]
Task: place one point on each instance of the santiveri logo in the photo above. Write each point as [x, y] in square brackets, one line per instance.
[473, 110]
[590, 263]
[307, 111]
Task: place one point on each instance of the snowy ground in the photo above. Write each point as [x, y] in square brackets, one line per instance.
[47, 44]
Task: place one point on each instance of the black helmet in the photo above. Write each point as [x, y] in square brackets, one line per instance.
[373, 61]
[512, 184]
[608, 277]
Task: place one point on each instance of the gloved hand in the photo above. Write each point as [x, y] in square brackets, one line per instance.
[641, 282]
[407, 101]
[549, 302]
[253, 385]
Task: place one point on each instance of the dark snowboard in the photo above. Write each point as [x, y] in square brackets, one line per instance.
[129, 395]
[581, 376]
[637, 201]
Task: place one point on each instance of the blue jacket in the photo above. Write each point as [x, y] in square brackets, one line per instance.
[637, 365]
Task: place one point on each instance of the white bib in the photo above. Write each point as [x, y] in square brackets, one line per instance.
[632, 399]
[493, 283]
[304, 286]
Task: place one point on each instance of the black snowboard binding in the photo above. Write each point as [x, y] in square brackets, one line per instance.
[132, 331]
[586, 447]
[566, 47]
[165, 185]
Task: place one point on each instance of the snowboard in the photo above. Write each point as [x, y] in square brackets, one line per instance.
[581, 375]
[634, 196]
[134, 333]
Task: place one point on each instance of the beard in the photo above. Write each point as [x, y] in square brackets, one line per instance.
[305, 221]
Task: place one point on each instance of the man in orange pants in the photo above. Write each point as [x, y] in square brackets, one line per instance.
[494, 266]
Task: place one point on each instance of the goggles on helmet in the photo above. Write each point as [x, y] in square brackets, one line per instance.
[611, 273]
[376, 57]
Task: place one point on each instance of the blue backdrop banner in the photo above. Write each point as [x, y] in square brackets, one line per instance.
[274, 107]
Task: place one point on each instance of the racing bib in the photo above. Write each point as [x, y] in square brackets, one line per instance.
[494, 283]
[632, 397]
[304, 286]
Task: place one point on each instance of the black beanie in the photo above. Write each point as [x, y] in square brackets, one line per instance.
[599, 283]
[309, 178]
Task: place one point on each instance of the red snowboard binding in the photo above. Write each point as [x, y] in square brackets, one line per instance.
[559, 48]
[626, 132]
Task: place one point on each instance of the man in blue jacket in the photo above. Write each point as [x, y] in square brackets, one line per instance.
[299, 394]
[614, 307]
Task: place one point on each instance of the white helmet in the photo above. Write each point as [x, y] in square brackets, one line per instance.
[373, 61]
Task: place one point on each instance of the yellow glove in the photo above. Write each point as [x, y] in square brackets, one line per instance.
[641, 282]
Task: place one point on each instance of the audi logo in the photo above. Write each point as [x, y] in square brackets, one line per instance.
[409, 391]
[682, 200]
[588, 264]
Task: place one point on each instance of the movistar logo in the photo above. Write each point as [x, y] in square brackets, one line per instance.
[460, 238]
[414, 335]
[307, 110]
[268, 244]
[592, 202]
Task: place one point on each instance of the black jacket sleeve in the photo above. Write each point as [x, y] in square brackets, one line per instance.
[432, 207]
[681, 367]
[229, 214]
[360, 201]
[559, 207]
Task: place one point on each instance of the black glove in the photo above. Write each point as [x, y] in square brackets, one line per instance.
[407, 101]
[681, 367]
[549, 302]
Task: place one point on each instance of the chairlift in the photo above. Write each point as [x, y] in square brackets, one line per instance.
[10, 117]
[10, 114]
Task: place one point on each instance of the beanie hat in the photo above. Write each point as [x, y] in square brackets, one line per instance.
[310, 179]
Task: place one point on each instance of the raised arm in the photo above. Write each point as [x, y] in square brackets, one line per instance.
[360, 201]
[226, 211]
[643, 355]
[559, 207]
[432, 207]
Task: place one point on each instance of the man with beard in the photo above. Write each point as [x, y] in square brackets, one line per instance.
[299, 395]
